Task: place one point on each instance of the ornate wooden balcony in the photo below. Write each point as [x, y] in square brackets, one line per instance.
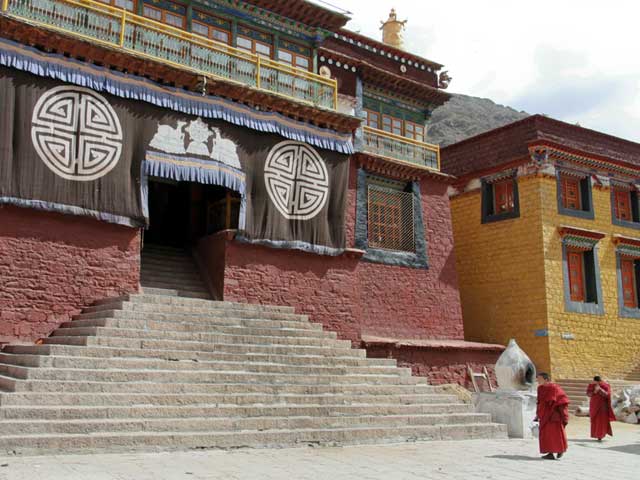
[395, 147]
[117, 28]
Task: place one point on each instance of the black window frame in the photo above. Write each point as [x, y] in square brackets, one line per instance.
[416, 259]
[635, 207]
[586, 197]
[623, 310]
[594, 302]
[488, 200]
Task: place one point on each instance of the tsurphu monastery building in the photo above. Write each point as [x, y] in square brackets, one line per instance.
[184, 188]
[547, 237]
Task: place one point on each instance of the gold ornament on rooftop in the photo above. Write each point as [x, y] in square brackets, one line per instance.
[392, 30]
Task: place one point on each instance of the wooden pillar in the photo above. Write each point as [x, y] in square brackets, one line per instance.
[227, 222]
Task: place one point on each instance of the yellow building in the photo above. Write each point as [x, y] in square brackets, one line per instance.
[546, 222]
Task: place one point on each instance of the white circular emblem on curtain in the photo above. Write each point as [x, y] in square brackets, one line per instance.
[76, 133]
[297, 180]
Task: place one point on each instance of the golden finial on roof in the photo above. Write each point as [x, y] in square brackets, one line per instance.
[392, 30]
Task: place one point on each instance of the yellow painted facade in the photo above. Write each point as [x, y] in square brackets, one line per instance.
[511, 283]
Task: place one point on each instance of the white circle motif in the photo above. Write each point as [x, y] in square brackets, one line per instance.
[297, 180]
[76, 133]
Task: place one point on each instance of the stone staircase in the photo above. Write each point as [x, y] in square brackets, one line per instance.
[576, 388]
[171, 271]
[165, 370]
[634, 376]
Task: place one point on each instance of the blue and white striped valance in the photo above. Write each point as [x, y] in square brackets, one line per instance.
[186, 169]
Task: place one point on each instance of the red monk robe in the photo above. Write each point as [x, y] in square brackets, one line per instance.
[600, 409]
[553, 415]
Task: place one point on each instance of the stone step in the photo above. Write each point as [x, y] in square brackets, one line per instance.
[176, 293]
[159, 345]
[321, 339]
[159, 269]
[224, 411]
[191, 324]
[159, 265]
[150, 264]
[205, 310]
[207, 424]
[167, 267]
[254, 400]
[191, 278]
[180, 355]
[190, 338]
[168, 256]
[196, 310]
[401, 386]
[75, 362]
[575, 391]
[39, 444]
[214, 317]
[178, 286]
[210, 304]
[148, 258]
[585, 382]
[161, 256]
[201, 376]
[165, 249]
[189, 331]
[191, 282]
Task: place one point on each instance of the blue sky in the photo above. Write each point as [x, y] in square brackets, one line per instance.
[578, 61]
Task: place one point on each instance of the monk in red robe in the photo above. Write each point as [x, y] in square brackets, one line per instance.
[600, 409]
[553, 415]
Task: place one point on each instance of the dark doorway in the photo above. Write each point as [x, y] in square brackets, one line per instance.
[169, 213]
[182, 212]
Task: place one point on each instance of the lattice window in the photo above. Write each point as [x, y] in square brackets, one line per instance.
[503, 196]
[625, 203]
[390, 219]
[576, 275]
[571, 197]
[628, 270]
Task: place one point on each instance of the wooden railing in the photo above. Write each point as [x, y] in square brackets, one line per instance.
[385, 144]
[116, 27]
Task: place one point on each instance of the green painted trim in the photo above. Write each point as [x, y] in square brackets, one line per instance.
[260, 17]
[631, 250]
[384, 108]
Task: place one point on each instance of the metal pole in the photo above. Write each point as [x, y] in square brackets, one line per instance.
[5, 5]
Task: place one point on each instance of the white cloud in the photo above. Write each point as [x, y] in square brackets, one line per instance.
[575, 60]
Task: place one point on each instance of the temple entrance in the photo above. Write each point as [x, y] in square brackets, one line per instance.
[168, 213]
[182, 212]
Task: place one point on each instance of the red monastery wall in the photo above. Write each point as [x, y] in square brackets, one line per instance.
[348, 296]
[354, 297]
[52, 265]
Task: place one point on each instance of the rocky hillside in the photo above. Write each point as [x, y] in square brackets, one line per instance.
[463, 117]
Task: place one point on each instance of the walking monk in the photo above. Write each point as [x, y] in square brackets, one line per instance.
[553, 415]
[600, 409]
